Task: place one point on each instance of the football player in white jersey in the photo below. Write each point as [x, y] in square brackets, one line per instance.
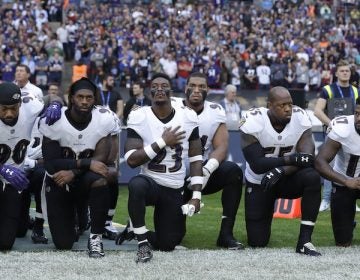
[159, 140]
[342, 144]
[75, 150]
[17, 118]
[219, 174]
[278, 147]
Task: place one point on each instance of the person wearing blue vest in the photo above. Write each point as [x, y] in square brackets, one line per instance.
[340, 90]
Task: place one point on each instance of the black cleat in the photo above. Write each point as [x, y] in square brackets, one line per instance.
[126, 234]
[95, 246]
[144, 253]
[307, 249]
[38, 237]
[110, 232]
[229, 243]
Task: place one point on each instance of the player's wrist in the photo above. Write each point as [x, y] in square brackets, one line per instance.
[161, 143]
[196, 195]
[211, 165]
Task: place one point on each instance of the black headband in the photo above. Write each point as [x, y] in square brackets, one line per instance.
[83, 83]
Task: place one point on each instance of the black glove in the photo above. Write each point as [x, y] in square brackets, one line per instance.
[272, 177]
[301, 160]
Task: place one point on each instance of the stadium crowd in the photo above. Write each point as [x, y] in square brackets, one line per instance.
[293, 44]
[191, 49]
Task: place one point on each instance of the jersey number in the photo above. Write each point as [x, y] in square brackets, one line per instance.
[282, 150]
[18, 154]
[156, 166]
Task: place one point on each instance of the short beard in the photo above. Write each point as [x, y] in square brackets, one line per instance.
[161, 103]
[11, 122]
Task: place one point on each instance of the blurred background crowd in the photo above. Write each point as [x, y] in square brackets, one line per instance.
[250, 44]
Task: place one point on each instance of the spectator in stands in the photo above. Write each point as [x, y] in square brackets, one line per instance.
[138, 98]
[235, 75]
[263, 73]
[302, 74]
[213, 74]
[232, 107]
[111, 98]
[41, 71]
[278, 69]
[314, 77]
[184, 70]
[63, 34]
[325, 74]
[250, 78]
[22, 76]
[55, 68]
[7, 69]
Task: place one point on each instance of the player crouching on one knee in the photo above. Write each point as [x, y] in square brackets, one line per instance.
[279, 150]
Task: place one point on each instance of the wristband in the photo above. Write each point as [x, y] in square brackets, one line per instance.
[211, 165]
[129, 153]
[196, 195]
[85, 163]
[161, 143]
[149, 151]
[195, 158]
[197, 180]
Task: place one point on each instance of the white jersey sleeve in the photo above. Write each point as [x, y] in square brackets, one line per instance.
[210, 118]
[347, 159]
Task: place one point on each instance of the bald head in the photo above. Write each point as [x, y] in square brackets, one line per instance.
[278, 93]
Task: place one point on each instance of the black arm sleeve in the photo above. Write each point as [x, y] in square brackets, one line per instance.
[255, 156]
[52, 157]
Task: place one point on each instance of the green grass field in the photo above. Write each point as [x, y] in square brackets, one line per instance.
[202, 229]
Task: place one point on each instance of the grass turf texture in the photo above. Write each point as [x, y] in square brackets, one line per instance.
[203, 229]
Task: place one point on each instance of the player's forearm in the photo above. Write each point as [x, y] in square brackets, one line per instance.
[322, 117]
[137, 157]
[326, 171]
[219, 153]
[260, 164]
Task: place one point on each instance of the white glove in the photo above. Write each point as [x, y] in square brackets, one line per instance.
[34, 153]
[29, 164]
[211, 165]
[189, 209]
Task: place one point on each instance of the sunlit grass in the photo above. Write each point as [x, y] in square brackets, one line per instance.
[202, 229]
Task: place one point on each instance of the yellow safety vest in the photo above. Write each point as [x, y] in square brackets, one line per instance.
[331, 94]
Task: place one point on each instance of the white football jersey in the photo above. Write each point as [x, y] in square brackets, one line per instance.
[168, 167]
[15, 139]
[77, 144]
[210, 118]
[257, 123]
[347, 158]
